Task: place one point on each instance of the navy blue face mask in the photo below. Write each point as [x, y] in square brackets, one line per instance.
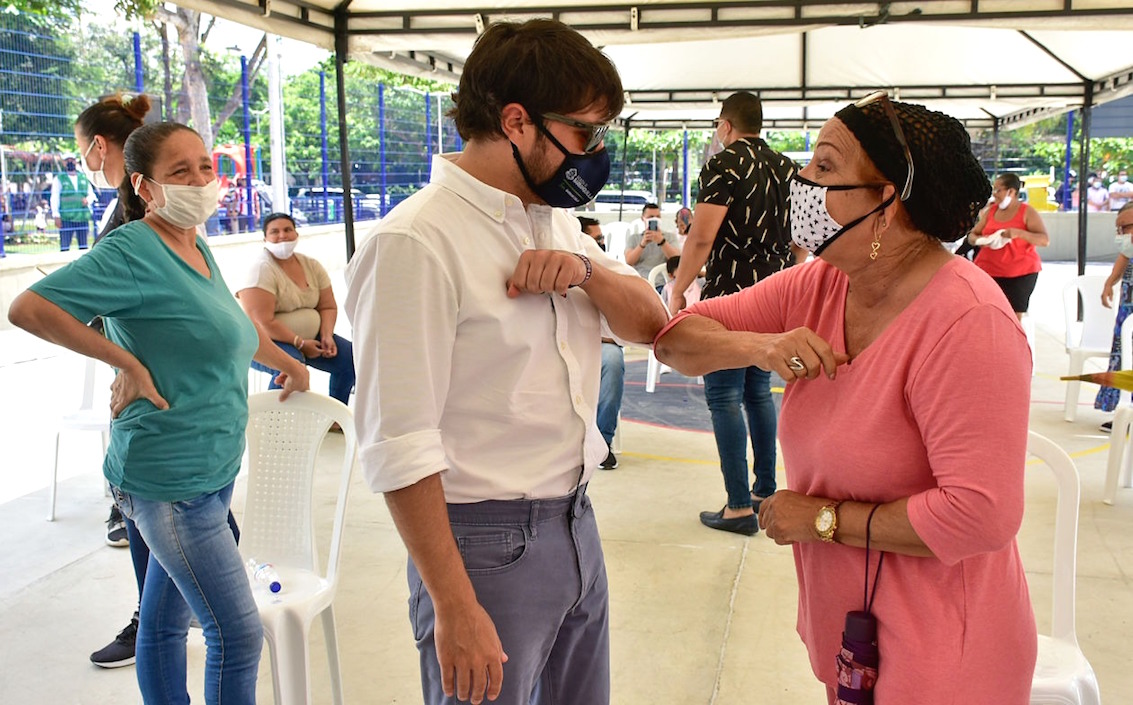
[578, 180]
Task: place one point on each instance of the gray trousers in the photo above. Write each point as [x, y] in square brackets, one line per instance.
[538, 571]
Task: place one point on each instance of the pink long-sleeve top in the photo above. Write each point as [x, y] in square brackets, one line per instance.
[936, 410]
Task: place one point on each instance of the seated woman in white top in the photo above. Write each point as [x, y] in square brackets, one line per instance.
[289, 296]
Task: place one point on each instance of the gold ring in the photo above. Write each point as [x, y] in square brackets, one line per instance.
[796, 363]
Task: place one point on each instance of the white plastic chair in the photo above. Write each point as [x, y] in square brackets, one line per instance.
[257, 381]
[284, 439]
[656, 368]
[616, 234]
[1063, 676]
[85, 418]
[657, 276]
[1093, 337]
[1119, 461]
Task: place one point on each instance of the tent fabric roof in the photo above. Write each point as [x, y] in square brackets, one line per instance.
[984, 61]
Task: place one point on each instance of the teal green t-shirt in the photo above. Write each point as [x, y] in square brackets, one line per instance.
[196, 342]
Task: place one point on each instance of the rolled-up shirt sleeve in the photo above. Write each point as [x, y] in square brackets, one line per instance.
[976, 441]
[403, 309]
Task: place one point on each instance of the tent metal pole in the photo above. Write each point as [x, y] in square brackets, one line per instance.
[625, 157]
[686, 194]
[341, 48]
[249, 194]
[1083, 170]
[995, 147]
[323, 151]
[1067, 163]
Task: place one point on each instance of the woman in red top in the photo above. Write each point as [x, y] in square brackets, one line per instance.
[1010, 231]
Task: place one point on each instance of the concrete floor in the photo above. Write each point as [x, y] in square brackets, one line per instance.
[697, 616]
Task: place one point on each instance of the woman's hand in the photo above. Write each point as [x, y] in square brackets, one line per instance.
[797, 354]
[311, 348]
[327, 345]
[1107, 293]
[788, 517]
[131, 384]
[297, 379]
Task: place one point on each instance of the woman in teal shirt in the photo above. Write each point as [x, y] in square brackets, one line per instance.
[182, 346]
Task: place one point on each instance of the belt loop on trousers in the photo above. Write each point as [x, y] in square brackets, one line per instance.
[533, 518]
[576, 501]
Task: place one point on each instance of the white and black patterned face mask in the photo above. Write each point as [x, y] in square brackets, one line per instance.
[812, 228]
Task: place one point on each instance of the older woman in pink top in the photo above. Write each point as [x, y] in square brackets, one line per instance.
[876, 337]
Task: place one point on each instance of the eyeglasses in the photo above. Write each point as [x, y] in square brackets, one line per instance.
[883, 97]
[716, 122]
[596, 130]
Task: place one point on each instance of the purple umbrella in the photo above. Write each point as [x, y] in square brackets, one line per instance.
[858, 659]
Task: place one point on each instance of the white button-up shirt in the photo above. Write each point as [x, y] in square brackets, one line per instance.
[497, 394]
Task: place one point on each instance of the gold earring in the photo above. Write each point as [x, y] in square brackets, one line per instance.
[875, 245]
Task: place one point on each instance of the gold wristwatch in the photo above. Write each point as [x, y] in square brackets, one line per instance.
[826, 522]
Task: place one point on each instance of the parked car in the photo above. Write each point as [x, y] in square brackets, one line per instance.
[366, 206]
[612, 200]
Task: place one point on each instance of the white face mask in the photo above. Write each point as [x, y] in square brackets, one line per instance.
[1122, 179]
[812, 227]
[1124, 245]
[97, 178]
[281, 250]
[1005, 202]
[185, 206]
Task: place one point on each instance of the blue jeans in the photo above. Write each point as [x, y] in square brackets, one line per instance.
[340, 367]
[726, 391]
[610, 390]
[538, 571]
[194, 568]
[139, 551]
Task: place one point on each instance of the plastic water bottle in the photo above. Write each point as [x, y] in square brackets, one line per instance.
[264, 574]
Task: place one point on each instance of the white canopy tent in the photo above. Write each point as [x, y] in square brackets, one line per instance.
[990, 63]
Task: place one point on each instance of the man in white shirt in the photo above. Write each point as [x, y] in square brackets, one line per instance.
[478, 310]
[1097, 195]
[1120, 191]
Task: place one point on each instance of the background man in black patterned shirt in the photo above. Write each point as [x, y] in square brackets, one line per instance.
[742, 230]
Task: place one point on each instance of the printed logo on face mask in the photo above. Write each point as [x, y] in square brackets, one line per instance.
[575, 182]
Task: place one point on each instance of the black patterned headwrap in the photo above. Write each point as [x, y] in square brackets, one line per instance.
[949, 186]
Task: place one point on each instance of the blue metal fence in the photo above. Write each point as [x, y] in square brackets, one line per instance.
[395, 132]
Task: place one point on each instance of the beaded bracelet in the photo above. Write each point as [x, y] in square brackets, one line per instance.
[589, 269]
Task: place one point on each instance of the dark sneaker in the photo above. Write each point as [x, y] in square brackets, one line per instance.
[610, 462]
[746, 525]
[116, 529]
[119, 652]
[1106, 427]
